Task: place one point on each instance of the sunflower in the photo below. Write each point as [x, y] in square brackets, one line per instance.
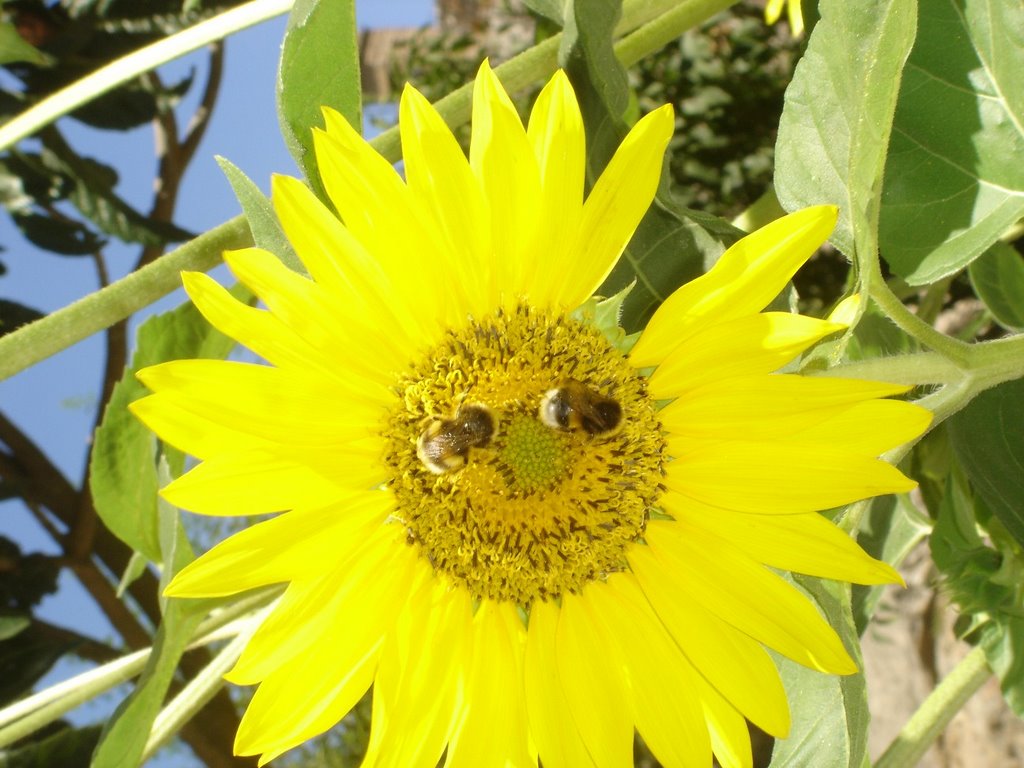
[529, 539]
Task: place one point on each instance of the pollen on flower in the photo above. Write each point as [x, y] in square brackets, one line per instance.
[538, 511]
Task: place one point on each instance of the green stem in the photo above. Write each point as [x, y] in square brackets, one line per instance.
[59, 330]
[936, 711]
[897, 311]
[135, 63]
[28, 715]
[666, 28]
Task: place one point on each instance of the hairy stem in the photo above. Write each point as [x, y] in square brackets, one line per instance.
[936, 711]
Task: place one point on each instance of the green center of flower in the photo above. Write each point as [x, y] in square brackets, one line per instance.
[534, 454]
[526, 456]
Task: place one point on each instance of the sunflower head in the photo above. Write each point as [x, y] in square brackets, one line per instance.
[530, 542]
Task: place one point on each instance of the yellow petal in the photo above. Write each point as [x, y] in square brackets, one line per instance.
[730, 739]
[593, 683]
[755, 344]
[168, 415]
[748, 596]
[556, 132]
[414, 693]
[492, 729]
[504, 164]
[441, 181]
[735, 664]
[774, 477]
[302, 700]
[666, 710]
[745, 279]
[362, 347]
[257, 329]
[868, 428]
[551, 723]
[251, 483]
[312, 691]
[369, 584]
[612, 211]
[338, 261]
[380, 211]
[806, 543]
[269, 403]
[765, 407]
[299, 544]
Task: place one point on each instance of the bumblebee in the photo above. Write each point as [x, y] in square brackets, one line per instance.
[573, 405]
[444, 445]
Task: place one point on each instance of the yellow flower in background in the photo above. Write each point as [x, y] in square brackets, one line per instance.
[528, 542]
[794, 11]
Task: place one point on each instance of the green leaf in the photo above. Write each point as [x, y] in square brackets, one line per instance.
[13, 48]
[952, 186]
[672, 244]
[988, 438]
[998, 279]
[829, 712]
[124, 738]
[259, 213]
[838, 114]
[319, 67]
[122, 473]
[14, 315]
[1003, 644]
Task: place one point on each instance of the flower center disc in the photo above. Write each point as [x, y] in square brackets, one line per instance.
[538, 510]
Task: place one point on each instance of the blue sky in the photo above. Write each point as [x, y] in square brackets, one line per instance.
[54, 401]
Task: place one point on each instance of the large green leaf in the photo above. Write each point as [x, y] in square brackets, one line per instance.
[672, 244]
[988, 437]
[954, 181]
[838, 115]
[319, 67]
[829, 712]
[122, 473]
[998, 279]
